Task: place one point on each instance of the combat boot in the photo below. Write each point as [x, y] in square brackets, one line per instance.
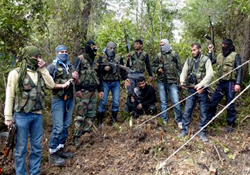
[100, 116]
[56, 160]
[65, 155]
[114, 116]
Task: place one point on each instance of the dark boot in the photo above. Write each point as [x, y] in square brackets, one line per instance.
[56, 160]
[114, 116]
[100, 116]
[65, 155]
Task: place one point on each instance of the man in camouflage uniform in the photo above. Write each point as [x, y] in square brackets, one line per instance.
[110, 77]
[25, 96]
[226, 62]
[166, 65]
[87, 84]
[197, 72]
[137, 61]
[62, 106]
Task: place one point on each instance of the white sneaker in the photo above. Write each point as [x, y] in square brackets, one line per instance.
[180, 125]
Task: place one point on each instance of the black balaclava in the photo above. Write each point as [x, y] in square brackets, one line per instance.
[228, 47]
[88, 50]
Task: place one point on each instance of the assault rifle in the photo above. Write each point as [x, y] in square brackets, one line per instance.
[127, 46]
[9, 145]
[114, 66]
[211, 37]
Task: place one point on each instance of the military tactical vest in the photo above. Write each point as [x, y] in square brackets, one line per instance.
[225, 65]
[169, 63]
[195, 76]
[87, 74]
[114, 73]
[62, 77]
[138, 64]
[32, 97]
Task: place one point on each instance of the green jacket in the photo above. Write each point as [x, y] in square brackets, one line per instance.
[138, 63]
[170, 63]
[196, 75]
[225, 65]
[32, 98]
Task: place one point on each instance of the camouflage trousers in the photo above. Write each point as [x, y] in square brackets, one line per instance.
[86, 104]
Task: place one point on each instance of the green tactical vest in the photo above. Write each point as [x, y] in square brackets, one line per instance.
[32, 97]
[169, 63]
[114, 73]
[225, 65]
[138, 64]
[62, 77]
[87, 75]
[197, 74]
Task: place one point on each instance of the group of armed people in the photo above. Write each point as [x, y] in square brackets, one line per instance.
[76, 86]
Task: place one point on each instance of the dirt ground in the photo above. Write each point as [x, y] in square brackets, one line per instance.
[120, 150]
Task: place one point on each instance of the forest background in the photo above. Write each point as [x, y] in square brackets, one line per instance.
[48, 23]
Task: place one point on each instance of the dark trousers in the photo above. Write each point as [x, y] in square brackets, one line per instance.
[223, 88]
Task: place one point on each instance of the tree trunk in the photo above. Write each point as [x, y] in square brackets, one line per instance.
[245, 51]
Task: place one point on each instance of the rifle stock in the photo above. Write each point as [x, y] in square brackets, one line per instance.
[9, 145]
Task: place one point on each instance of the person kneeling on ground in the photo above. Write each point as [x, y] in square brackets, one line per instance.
[143, 99]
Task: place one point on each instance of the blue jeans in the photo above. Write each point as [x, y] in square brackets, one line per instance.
[223, 88]
[174, 96]
[190, 105]
[61, 119]
[114, 87]
[28, 124]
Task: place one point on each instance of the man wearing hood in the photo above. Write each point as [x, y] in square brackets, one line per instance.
[197, 73]
[166, 65]
[62, 106]
[226, 62]
[110, 77]
[25, 96]
[87, 83]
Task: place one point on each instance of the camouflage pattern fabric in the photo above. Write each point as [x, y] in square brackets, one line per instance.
[86, 105]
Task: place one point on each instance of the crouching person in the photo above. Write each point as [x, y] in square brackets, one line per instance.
[143, 99]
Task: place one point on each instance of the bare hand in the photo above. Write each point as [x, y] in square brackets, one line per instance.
[66, 85]
[101, 94]
[237, 88]
[127, 82]
[139, 106]
[160, 70]
[151, 78]
[184, 87]
[75, 75]
[79, 94]
[41, 63]
[128, 56]
[210, 48]
[199, 89]
[132, 99]
[8, 123]
[107, 68]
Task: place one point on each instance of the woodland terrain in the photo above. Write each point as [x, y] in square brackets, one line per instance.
[119, 149]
